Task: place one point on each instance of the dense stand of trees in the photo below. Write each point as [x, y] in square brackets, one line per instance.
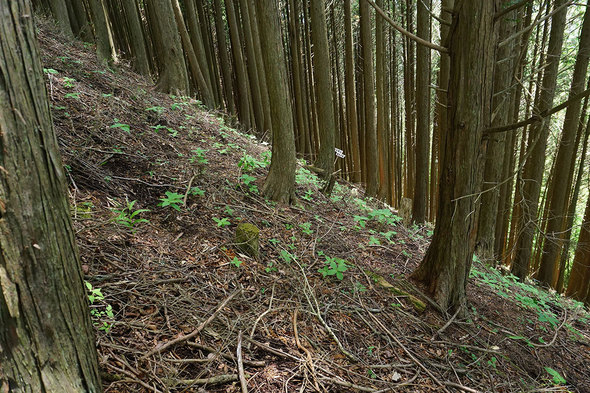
[422, 108]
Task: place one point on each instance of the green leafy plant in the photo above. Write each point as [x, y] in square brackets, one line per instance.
[69, 82]
[122, 126]
[199, 156]
[196, 191]
[50, 71]
[158, 109]
[249, 163]
[236, 262]
[287, 256]
[373, 241]
[172, 199]
[129, 216]
[222, 222]
[334, 267]
[102, 313]
[306, 228]
[361, 221]
[556, 376]
[308, 195]
[75, 96]
[249, 182]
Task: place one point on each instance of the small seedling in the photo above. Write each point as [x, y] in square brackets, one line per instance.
[222, 222]
[69, 82]
[306, 228]
[129, 216]
[172, 199]
[158, 109]
[373, 241]
[308, 195]
[75, 96]
[51, 71]
[196, 191]
[286, 255]
[334, 267]
[556, 376]
[199, 156]
[122, 126]
[95, 296]
[236, 262]
[249, 182]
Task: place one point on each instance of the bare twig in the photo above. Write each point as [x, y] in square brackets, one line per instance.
[403, 347]
[243, 382]
[217, 380]
[133, 377]
[411, 36]
[192, 334]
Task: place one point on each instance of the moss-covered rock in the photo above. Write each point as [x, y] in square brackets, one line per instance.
[247, 239]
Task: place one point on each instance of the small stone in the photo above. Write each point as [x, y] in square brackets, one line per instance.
[247, 239]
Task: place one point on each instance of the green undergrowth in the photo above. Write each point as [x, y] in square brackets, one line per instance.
[549, 308]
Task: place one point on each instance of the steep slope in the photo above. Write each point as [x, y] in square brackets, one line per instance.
[158, 186]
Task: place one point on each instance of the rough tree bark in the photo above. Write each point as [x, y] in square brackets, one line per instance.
[168, 48]
[420, 200]
[535, 164]
[560, 191]
[445, 268]
[280, 183]
[323, 86]
[46, 336]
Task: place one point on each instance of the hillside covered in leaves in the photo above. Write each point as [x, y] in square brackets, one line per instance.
[158, 186]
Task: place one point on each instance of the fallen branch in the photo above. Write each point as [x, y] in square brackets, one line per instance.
[217, 380]
[192, 334]
[254, 363]
[403, 347]
[243, 382]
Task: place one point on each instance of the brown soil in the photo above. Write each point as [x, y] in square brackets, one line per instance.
[121, 141]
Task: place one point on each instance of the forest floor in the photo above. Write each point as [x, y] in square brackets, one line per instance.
[327, 306]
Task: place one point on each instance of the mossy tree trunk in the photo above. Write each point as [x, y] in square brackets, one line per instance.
[445, 268]
[46, 336]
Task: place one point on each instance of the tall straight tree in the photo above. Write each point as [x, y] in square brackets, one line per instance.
[226, 68]
[445, 267]
[243, 99]
[172, 76]
[136, 37]
[46, 336]
[193, 62]
[323, 86]
[370, 132]
[350, 93]
[494, 160]
[535, 163]
[420, 201]
[560, 190]
[579, 284]
[280, 182]
[101, 29]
